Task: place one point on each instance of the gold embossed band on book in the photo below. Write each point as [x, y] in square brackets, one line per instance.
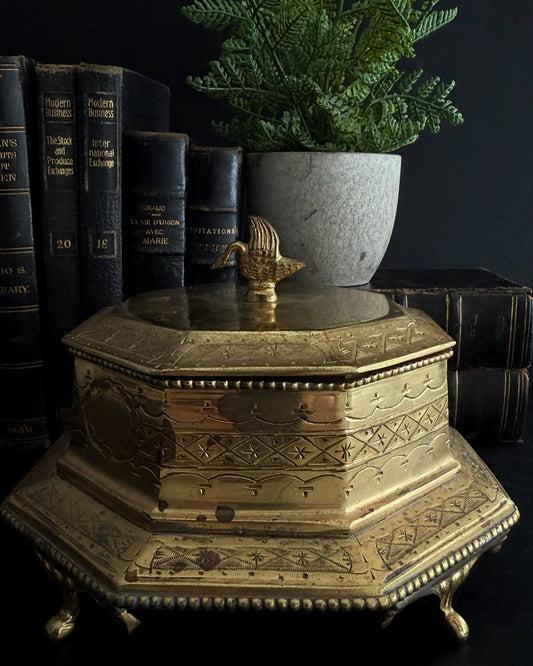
[289, 449]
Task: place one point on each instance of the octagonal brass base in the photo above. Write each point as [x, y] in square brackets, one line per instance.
[420, 545]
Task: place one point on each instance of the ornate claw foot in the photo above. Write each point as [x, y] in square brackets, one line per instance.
[445, 591]
[62, 623]
[389, 617]
[129, 621]
[496, 549]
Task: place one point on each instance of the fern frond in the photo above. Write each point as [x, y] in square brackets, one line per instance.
[426, 88]
[387, 35]
[289, 24]
[311, 74]
[339, 110]
[409, 81]
[216, 14]
[443, 90]
[357, 91]
[433, 22]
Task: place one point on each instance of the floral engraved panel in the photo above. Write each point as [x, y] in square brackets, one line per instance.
[320, 558]
[400, 542]
[193, 449]
[86, 522]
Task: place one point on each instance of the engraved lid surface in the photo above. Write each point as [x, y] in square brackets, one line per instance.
[212, 330]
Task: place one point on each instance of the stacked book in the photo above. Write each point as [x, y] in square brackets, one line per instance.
[490, 318]
[93, 209]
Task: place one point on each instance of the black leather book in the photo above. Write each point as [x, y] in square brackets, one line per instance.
[111, 100]
[214, 209]
[154, 207]
[57, 134]
[488, 315]
[23, 416]
[489, 403]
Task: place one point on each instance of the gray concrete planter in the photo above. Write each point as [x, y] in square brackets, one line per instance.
[334, 211]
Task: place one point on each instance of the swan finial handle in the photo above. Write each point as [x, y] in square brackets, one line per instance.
[260, 261]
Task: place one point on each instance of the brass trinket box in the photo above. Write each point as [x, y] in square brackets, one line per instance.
[291, 453]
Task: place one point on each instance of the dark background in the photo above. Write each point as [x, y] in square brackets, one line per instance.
[466, 201]
[466, 196]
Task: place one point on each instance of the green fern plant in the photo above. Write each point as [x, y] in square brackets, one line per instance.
[316, 75]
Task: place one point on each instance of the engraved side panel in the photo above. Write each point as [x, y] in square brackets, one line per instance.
[116, 435]
[304, 450]
[402, 442]
[255, 411]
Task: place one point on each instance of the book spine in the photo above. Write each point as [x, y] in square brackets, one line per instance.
[214, 209]
[111, 101]
[99, 107]
[23, 419]
[154, 207]
[488, 402]
[57, 127]
[491, 329]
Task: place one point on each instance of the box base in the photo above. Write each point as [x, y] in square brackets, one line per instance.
[426, 545]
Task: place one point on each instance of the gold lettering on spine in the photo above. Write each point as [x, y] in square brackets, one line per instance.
[8, 160]
[14, 272]
[9, 143]
[58, 108]
[153, 224]
[58, 161]
[100, 107]
[213, 231]
[102, 154]
[59, 142]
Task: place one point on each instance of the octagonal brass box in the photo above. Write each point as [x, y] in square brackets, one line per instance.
[226, 452]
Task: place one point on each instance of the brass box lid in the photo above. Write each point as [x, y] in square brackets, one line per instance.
[213, 331]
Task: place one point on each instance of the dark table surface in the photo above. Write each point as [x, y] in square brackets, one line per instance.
[496, 601]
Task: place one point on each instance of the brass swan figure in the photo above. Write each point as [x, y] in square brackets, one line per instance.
[260, 261]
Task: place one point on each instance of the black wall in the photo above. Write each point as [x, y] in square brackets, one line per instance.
[466, 198]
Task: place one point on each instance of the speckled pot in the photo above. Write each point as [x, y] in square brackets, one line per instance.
[334, 211]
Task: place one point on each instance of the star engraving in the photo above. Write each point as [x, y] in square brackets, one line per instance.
[298, 452]
[273, 350]
[256, 557]
[302, 559]
[345, 451]
[204, 449]
[252, 452]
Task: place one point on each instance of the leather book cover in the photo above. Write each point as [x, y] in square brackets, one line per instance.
[23, 411]
[489, 403]
[111, 101]
[214, 209]
[488, 315]
[58, 168]
[154, 210]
